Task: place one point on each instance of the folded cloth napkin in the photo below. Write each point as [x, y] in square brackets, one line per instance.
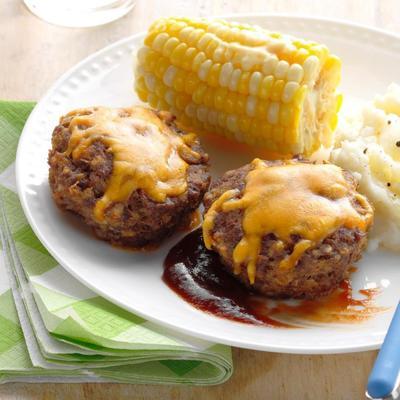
[52, 328]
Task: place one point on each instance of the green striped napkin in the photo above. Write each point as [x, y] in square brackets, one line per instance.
[52, 328]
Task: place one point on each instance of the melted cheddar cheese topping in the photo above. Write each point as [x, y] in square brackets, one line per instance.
[146, 152]
[308, 200]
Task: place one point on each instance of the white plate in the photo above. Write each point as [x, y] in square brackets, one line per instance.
[133, 281]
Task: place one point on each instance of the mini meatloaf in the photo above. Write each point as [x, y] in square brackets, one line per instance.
[287, 228]
[131, 173]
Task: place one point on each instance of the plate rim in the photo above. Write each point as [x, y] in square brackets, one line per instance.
[333, 349]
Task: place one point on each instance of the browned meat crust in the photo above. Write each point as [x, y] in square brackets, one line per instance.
[76, 185]
[318, 272]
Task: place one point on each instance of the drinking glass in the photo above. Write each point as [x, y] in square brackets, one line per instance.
[79, 13]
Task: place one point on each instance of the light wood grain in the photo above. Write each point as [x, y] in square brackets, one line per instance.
[33, 54]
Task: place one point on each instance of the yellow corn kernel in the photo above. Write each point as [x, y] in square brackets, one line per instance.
[289, 91]
[277, 89]
[230, 103]
[191, 83]
[221, 119]
[194, 37]
[301, 55]
[161, 67]
[219, 54]
[179, 81]
[188, 58]
[243, 84]
[262, 109]
[160, 89]
[266, 131]
[169, 46]
[286, 114]
[181, 101]
[245, 124]
[266, 87]
[240, 103]
[185, 33]
[142, 94]
[198, 94]
[150, 38]
[255, 128]
[219, 99]
[152, 99]
[176, 27]
[213, 75]
[208, 98]
[203, 41]
[198, 61]
[300, 95]
[178, 54]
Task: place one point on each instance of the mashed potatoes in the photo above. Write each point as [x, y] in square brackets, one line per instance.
[368, 144]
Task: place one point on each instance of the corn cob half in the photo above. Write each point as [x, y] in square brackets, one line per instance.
[263, 88]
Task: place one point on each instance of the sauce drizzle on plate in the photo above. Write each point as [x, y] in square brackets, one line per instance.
[197, 275]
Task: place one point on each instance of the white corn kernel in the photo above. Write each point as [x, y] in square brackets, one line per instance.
[235, 33]
[194, 36]
[213, 27]
[225, 74]
[169, 75]
[281, 69]
[311, 66]
[190, 110]
[222, 32]
[255, 81]
[139, 70]
[198, 60]
[142, 54]
[202, 113]
[269, 65]
[247, 62]
[273, 113]
[231, 122]
[185, 33]
[251, 106]
[150, 81]
[159, 41]
[218, 55]
[252, 38]
[236, 74]
[204, 41]
[204, 70]
[295, 73]
[170, 97]
[289, 91]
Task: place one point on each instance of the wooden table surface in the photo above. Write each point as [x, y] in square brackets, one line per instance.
[33, 54]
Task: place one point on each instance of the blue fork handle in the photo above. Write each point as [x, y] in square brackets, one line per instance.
[384, 375]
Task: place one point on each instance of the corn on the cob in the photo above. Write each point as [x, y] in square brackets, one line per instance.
[254, 86]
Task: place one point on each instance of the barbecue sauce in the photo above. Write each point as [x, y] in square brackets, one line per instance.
[197, 275]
